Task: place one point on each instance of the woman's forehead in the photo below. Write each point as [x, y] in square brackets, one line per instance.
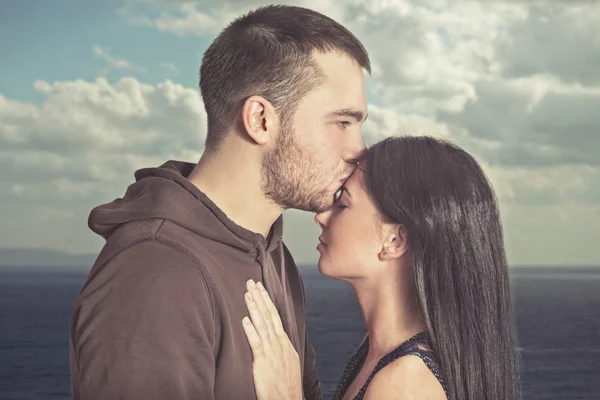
[355, 179]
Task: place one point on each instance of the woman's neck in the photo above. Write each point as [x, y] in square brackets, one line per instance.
[391, 313]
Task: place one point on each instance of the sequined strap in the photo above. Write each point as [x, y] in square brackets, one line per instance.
[431, 362]
[410, 344]
[409, 347]
[351, 370]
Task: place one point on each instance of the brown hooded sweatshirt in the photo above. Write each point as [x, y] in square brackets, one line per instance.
[159, 316]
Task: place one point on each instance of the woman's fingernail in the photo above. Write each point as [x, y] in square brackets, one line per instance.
[246, 321]
[249, 297]
[251, 284]
[260, 286]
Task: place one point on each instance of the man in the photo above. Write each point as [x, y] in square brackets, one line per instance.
[160, 314]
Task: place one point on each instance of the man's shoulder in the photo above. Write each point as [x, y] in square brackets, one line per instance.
[151, 254]
[154, 262]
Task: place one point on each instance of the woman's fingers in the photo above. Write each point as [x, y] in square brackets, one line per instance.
[257, 319]
[276, 366]
[260, 315]
[273, 313]
[253, 339]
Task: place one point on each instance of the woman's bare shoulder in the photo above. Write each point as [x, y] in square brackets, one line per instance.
[406, 378]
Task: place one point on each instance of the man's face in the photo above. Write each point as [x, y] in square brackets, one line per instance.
[315, 153]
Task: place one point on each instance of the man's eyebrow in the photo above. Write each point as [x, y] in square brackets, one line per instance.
[347, 112]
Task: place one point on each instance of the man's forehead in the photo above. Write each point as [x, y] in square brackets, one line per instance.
[342, 73]
[331, 60]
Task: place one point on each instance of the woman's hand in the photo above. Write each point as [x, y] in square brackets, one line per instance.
[276, 365]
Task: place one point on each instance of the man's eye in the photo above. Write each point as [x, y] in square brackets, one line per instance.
[344, 124]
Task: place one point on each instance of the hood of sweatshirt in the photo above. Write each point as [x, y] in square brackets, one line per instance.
[164, 224]
[165, 193]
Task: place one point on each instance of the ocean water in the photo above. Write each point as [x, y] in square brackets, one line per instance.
[557, 314]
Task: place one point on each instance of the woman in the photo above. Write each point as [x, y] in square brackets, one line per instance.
[417, 233]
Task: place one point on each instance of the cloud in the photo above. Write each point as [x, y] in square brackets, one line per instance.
[533, 122]
[515, 183]
[80, 147]
[537, 107]
[473, 70]
[427, 56]
[105, 118]
[560, 38]
[500, 79]
[190, 21]
[202, 17]
[112, 129]
[385, 121]
[170, 69]
[112, 61]
[567, 186]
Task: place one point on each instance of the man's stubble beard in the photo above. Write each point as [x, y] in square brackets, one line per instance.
[291, 177]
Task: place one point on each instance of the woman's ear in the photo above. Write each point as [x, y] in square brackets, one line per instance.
[395, 243]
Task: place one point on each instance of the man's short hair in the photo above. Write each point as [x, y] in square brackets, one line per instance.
[267, 52]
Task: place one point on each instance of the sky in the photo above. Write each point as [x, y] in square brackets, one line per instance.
[92, 91]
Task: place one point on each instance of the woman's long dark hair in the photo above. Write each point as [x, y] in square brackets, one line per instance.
[441, 196]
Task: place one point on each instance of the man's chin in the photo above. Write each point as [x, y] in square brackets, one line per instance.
[311, 208]
[325, 205]
[317, 205]
[316, 209]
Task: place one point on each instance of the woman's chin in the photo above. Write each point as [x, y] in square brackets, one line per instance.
[322, 266]
[325, 266]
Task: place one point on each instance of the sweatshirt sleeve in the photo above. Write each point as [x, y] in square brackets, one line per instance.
[144, 328]
[311, 384]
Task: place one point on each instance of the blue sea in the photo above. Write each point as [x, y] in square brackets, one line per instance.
[557, 314]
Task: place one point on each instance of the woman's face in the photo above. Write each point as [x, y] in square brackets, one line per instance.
[352, 237]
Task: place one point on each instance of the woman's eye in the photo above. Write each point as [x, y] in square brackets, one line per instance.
[337, 199]
[338, 194]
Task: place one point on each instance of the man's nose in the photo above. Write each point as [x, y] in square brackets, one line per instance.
[354, 149]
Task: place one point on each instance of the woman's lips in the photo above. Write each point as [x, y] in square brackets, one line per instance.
[321, 244]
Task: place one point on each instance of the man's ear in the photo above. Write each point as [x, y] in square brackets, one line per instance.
[259, 119]
[395, 242]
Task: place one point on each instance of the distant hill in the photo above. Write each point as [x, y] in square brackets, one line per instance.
[28, 257]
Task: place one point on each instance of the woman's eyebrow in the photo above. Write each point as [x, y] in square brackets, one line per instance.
[345, 189]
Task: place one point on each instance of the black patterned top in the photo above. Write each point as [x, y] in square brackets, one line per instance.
[409, 347]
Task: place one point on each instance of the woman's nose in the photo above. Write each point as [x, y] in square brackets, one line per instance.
[322, 218]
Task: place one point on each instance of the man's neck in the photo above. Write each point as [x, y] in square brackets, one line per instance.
[231, 180]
